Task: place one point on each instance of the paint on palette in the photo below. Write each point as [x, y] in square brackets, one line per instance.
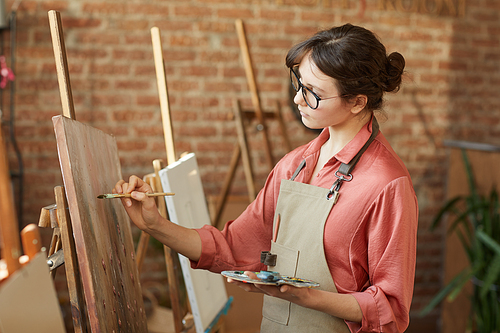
[277, 279]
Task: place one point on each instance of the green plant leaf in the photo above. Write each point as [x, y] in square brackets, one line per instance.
[475, 219]
[466, 245]
[444, 292]
[464, 279]
[470, 175]
[492, 275]
[449, 206]
[490, 242]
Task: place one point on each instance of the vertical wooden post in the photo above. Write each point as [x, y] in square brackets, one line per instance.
[163, 94]
[253, 89]
[61, 64]
[11, 250]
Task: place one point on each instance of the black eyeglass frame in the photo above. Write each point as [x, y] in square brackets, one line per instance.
[301, 86]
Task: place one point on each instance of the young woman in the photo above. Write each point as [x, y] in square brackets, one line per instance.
[345, 202]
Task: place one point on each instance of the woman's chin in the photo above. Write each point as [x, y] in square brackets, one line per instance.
[309, 125]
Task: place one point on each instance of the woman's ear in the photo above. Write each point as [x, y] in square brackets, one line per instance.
[359, 104]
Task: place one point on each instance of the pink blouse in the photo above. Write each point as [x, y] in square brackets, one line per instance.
[370, 235]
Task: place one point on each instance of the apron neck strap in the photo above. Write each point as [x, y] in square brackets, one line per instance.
[345, 169]
[299, 169]
[344, 172]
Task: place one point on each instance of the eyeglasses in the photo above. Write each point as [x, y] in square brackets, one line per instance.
[312, 100]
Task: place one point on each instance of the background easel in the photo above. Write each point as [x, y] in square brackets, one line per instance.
[102, 275]
[241, 149]
[178, 300]
[182, 313]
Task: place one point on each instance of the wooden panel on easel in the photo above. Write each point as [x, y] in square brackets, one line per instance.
[90, 166]
[206, 291]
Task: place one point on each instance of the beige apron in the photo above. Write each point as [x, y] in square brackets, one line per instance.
[303, 211]
[299, 250]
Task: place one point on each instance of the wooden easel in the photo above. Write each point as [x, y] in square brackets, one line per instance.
[183, 318]
[241, 149]
[126, 303]
[180, 309]
[23, 274]
[56, 216]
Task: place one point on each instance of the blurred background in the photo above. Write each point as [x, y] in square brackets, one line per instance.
[450, 92]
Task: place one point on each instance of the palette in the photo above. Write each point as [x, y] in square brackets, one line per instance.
[277, 281]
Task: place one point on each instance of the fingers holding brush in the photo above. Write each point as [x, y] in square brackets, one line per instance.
[142, 209]
[136, 187]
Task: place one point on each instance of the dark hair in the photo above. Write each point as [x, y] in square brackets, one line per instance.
[355, 57]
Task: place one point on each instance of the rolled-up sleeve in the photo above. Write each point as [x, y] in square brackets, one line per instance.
[239, 244]
[391, 233]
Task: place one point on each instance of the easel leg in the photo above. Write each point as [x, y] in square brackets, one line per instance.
[284, 133]
[78, 306]
[221, 201]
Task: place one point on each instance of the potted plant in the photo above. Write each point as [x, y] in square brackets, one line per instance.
[475, 219]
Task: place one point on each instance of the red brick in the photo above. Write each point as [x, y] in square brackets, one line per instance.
[216, 26]
[196, 131]
[86, 84]
[70, 23]
[84, 54]
[132, 55]
[235, 13]
[136, 85]
[192, 11]
[188, 41]
[103, 8]
[109, 69]
[112, 99]
[274, 43]
[200, 101]
[208, 71]
[277, 15]
[131, 116]
[220, 56]
[147, 9]
[173, 25]
[59, 6]
[132, 25]
[87, 37]
[453, 65]
[170, 56]
[135, 145]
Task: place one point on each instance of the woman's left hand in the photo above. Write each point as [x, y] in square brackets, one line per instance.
[299, 296]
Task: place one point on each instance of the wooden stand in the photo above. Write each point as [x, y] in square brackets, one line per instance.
[101, 272]
[241, 116]
[182, 315]
[27, 296]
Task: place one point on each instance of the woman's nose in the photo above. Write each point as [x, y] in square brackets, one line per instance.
[299, 98]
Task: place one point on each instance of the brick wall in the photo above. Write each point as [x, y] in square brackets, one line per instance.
[452, 50]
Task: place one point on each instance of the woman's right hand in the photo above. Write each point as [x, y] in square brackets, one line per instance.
[145, 215]
[141, 208]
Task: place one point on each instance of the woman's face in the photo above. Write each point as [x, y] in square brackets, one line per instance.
[331, 112]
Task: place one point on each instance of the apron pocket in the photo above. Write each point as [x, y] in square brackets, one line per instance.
[276, 309]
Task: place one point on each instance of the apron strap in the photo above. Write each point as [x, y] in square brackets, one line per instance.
[299, 169]
[346, 169]
[344, 172]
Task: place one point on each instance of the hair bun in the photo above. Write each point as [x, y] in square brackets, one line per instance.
[395, 68]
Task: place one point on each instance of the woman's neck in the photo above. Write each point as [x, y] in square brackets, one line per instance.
[341, 135]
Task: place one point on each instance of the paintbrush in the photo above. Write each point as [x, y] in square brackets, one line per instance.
[112, 196]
